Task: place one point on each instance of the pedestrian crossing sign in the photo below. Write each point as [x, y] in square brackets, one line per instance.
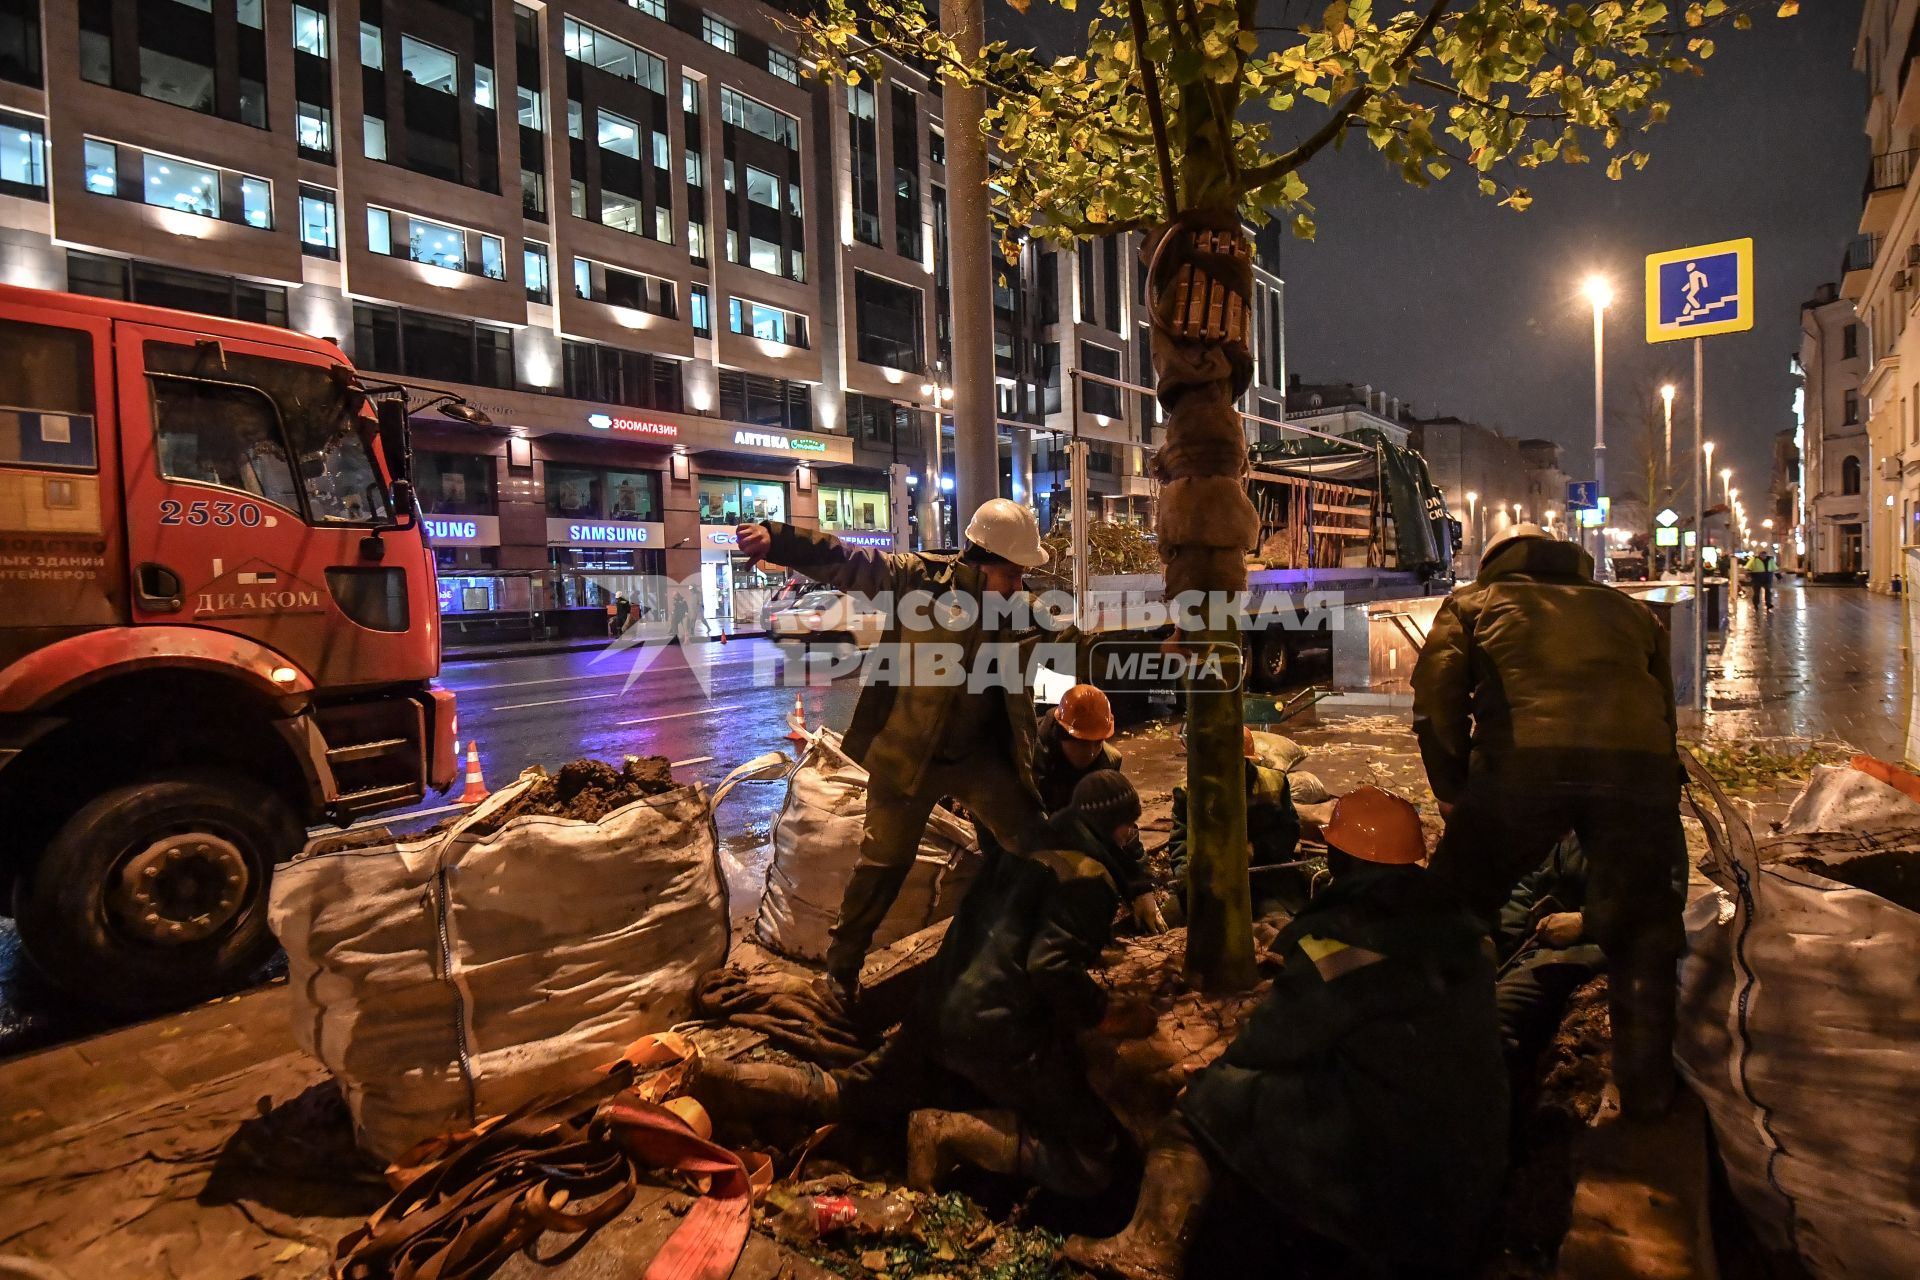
[1701, 291]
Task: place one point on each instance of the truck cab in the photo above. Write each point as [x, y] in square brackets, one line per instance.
[219, 629]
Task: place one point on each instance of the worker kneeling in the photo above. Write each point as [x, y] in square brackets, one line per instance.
[1365, 1100]
[1273, 836]
[988, 1064]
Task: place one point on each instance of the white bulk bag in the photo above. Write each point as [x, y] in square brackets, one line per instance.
[453, 976]
[1799, 1013]
[816, 842]
[1277, 751]
[1843, 798]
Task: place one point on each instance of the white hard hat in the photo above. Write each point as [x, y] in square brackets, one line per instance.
[1524, 529]
[1009, 530]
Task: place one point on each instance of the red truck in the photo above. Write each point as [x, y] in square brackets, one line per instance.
[218, 627]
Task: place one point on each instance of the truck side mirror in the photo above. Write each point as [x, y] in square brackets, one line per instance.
[396, 438]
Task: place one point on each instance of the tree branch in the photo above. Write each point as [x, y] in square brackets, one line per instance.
[1261, 175]
[1456, 92]
[1156, 110]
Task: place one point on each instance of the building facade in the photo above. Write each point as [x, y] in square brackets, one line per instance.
[1881, 277]
[1491, 480]
[1831, 424]
[688, 283]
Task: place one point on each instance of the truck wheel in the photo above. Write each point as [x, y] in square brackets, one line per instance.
[155, 894]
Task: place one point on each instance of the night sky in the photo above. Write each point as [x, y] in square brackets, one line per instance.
[1446, 299]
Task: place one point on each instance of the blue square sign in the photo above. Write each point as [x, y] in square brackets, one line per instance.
[1704, 290]
[1583, 494]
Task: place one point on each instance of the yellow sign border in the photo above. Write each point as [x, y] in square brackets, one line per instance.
[1657, 332]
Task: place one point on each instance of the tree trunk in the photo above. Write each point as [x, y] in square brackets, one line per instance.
[1199, 282]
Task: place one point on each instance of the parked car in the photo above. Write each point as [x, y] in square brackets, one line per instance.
[827, 613]
[782, 597]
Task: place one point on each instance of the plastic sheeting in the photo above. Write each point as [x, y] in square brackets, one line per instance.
[455, 976]
[816, 842]
[1799, 1015]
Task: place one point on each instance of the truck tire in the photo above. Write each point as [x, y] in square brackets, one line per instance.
[155, 894]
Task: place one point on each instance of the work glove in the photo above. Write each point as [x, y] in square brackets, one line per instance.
[1561, 929]
[1146, 914]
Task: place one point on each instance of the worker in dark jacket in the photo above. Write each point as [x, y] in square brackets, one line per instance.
[920, 739]
[997, 1023]
[1273, 836]
[1544, 953]
[1073, 741]
[1365, 1099]
[1543, 702]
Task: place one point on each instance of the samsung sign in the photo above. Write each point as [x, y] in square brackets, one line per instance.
[462, 531]
[611, 533]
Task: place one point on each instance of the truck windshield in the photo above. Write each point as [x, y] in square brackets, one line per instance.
[329, 446]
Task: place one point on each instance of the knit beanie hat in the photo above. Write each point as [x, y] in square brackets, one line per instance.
[1104, 799]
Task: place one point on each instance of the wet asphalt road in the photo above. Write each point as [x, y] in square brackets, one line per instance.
[706, 711]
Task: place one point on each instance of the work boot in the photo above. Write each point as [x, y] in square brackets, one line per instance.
[748, 1091]
[938, 1142]
[1641, 1003]
[1153, 1245]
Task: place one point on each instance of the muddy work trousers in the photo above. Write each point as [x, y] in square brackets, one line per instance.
[985, 782]
[1069, 1141]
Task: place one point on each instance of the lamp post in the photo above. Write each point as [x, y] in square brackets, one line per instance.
[934, 503]
[1726, 483]
[1599, 292]
[1666, 468]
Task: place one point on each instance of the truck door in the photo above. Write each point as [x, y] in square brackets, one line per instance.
[60, 553]
[251, 490]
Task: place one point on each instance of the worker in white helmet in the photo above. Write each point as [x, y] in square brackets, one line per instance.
[921, 740]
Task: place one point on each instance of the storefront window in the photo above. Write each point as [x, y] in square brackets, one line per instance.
[728, 501]
[855, 509]
[595, 577]
[589, 491]
[454, 484]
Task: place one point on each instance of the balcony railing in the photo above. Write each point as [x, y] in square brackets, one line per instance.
[1861, 253]
[1889, 171]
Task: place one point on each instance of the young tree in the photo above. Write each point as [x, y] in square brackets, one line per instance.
[1186, 119]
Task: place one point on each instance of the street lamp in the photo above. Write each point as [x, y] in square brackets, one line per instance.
[1599, 292]
[1472, 498]
[1726, 481]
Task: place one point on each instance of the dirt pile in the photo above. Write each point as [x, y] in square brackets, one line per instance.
[589, 790]
[949, 1236]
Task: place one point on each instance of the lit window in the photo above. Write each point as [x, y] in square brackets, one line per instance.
[23, 152]
[689, 97]
[436, 244]
[493, 258]
[763, 255]
[733, 245]
[483, 87]
[799, 261]
[759, 118]
[655, 9]
[697, 305]
[102, 172]
[663, 224]
[317, 232]
[697, 241]
[429, 66]
[372, 55]
[781, 63]
[539, 283]
[310, 30]
[717, 33]
[767, 323]
[618, 134]
[793, 198]
[256, 202]
[620, 213]
[763, 187]
[576, 120]
[376, 138]
[315, 127]
[614, 56]
[696, 169]
[172, 184]
[582, 278]
[661, 156]
[579, 199]
[248, 12]
[531, 116]
[379, 230]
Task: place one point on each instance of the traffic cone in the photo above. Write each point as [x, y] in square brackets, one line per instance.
[797, 722]
[476, 785]
[723, 635]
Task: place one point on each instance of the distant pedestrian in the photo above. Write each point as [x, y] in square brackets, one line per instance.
[684, 618]
[1760, 568]
[622, 614]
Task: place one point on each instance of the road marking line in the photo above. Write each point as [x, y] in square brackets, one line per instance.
[678, 715]
[554, 702]
[680, 764]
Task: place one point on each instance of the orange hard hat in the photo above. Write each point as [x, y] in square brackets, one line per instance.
[1376, 826]
[1085, 713]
